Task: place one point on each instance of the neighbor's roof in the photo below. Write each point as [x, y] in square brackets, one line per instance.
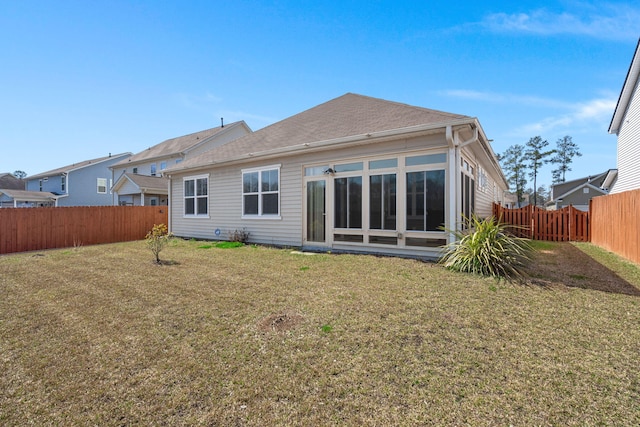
[75, 166]
[345, 116]
[9, 181]
[600, 181]
[629, 87]
[144, 182]
[29, 195]
[178, 145]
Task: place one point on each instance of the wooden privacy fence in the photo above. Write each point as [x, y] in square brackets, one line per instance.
[563, 225]
[31, 229]
[615, 223]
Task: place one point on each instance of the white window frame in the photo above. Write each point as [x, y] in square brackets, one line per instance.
[260, 193]
[101, 182]
[195, 196]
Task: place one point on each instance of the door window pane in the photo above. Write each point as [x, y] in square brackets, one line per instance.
[316, 211]
[425, 200]
[348, 202]
[382, 202]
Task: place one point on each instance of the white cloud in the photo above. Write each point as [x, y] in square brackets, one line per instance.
[613, 21]
[593, 113]
[505, 98]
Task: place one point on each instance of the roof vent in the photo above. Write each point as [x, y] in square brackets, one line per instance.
[221, 122]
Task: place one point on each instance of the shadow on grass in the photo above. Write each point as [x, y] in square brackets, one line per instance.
[166, 262]
[564, 264]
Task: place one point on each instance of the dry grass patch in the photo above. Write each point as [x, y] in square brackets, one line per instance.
[103, 336]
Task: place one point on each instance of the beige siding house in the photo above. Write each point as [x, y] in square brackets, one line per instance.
[139, 180]
[353, 174]
[626, 125]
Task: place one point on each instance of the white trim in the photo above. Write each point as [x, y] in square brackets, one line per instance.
[260, 215]
[98, 181]
[194, 178]
[366, 232]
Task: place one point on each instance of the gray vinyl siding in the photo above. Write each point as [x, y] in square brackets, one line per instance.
[128, 188]
[225, 208]
[629, 148]
[489, 193]
[225, 195]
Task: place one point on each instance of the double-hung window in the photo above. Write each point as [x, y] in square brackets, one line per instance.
[102, 185]
[196, 195]
[261, 192]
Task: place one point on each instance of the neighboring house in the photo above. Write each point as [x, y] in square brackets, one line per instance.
[26, 199]
[10, 182]
[85, 183]
[578, 192]
[626, 125]
[138, 179]
[355, 174]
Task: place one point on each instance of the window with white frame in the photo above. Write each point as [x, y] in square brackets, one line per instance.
[467, 188]
[153, 169]
[63, 183]
[102, 185]
[261, 192]
[196, 195]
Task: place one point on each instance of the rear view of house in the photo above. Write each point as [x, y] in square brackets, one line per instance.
[355, 173]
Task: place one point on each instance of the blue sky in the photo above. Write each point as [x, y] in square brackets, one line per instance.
[82, 79]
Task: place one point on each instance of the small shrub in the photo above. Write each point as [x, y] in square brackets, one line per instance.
[488, 250]
[157, 239]
[241, 236]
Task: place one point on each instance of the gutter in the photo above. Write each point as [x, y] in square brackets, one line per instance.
[353, 140]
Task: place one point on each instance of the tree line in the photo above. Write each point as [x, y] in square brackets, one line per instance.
[520, 162]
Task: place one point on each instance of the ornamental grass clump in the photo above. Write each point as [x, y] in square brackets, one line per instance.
[487, 249]
[157, 239]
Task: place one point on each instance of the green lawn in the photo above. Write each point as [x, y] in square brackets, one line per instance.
[255, 336]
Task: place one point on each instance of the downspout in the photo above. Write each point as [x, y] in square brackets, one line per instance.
[169, 198]
[452, 159]
[455, 195]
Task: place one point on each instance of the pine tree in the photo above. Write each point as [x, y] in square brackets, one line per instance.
[565, 151]
[536, 156]
[513, 163]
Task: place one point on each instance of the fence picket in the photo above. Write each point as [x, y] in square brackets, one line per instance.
[31, 229]
[615, 225]
[567, 224]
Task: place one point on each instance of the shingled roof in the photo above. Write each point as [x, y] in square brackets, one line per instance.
[148, 183]
[176, 145]
[75, 166]
[345, 116]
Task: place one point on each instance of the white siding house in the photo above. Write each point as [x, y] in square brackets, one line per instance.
[626, 125]
[353, 174]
